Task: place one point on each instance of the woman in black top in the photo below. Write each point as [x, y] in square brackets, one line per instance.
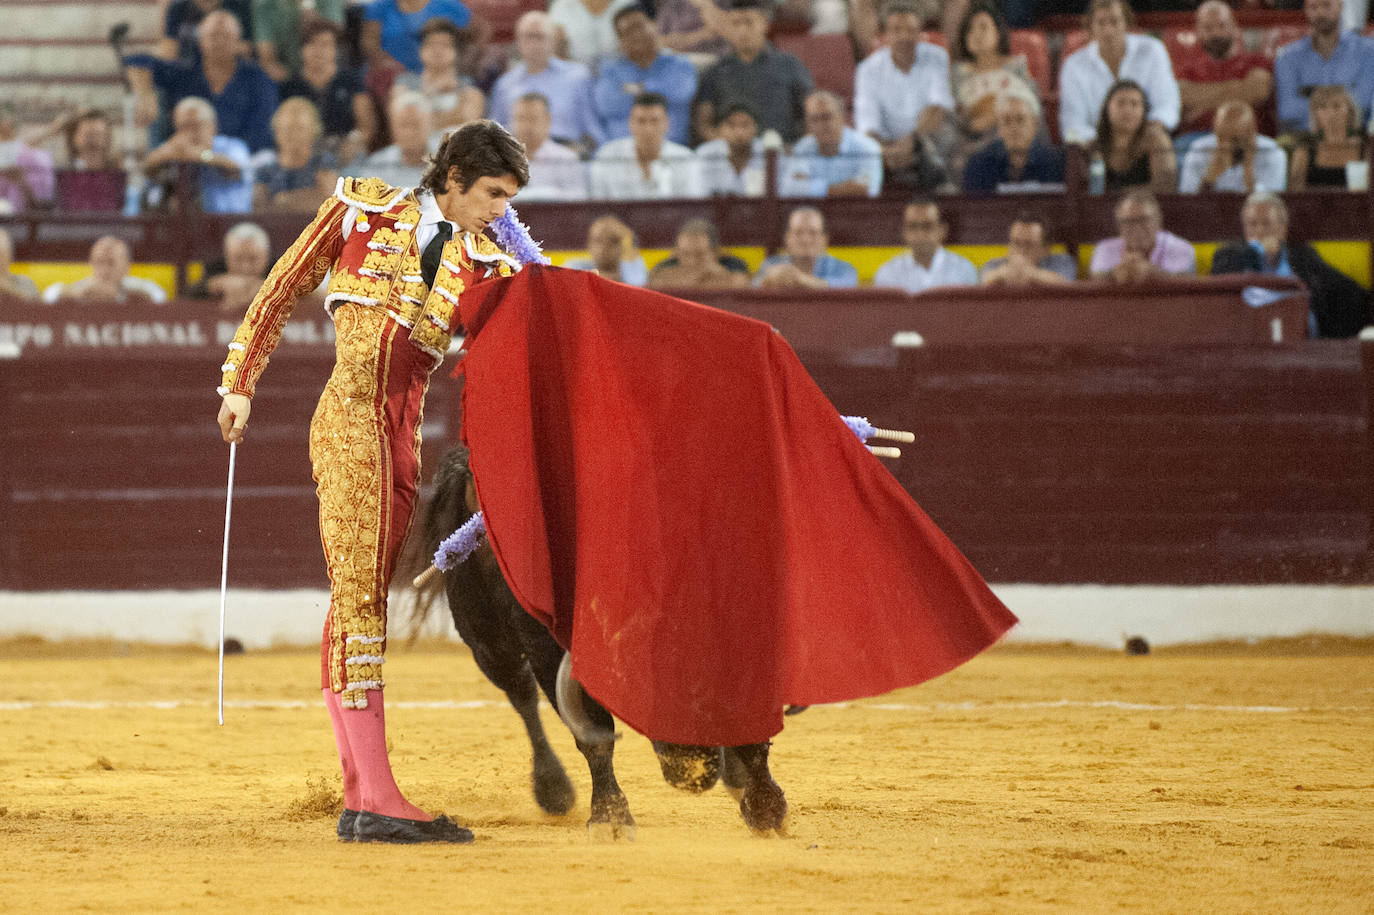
[1319, 161]
[1136, 150]
[346, 109]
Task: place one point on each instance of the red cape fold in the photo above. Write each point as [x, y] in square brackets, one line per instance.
[670, 493]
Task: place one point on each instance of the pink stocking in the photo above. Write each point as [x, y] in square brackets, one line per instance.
[365, 733]
[352, 791]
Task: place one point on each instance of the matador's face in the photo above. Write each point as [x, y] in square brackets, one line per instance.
[484, 201]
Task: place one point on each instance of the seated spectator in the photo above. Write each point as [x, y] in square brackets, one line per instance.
[833, 159]
[1234, 157]
[452, 96]
[1340, 307]
[696, 262]
[1028, 261]
[242, 94]
[774, 83]
[694, 28]
[346, 108]
[556, 173]
[89, 140]
[15, 285]
[902, 99]
[612, 252]
[566, 84]
[109, 281]
[26, 173]
[1143, 249]
[221, 167]
[1327, 56]
[404, 162]
[1218, 69]
[984, 68]
[1088, 74]
[804, 261]
[391, 29]
[235, 280]
[732, 164]
[643, 66]
[1136, 151]
[644, 165]
[1018, 154]
[279, 31]
[588, 27]
[1335, 140]
[299, 175]
[929, 263]
[183, 17]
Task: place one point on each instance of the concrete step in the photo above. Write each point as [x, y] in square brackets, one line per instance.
[68, 58]
[63, 20]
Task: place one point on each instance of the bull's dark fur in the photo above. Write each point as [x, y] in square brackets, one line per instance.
[519, 656]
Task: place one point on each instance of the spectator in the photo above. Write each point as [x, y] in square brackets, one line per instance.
[928, 264]
[833, 159]
[774, 83]
[1340, 307]
[109, 281]
[696, 261]
[299, 175]
[588, 27]
[902, 99]
[451, 95]
[235, 280]
[732, 164]
[1143, 249]
[644, 165]
[984, 68]
[278, 31]
[613, 253]
[404, 162]
[556, 173]
[566, 84]
[90, 141]
[643, 66]
[391, 29]
[1234, 157]
[1219, 69]
[1320, 159]
[1028, 261]
[221, 165]
[1017, 154]
[694, 28]
[1325, 57]
[1136, 151]
[183, 18]
[345, 106]
[15, 285]
[26, 173]
[1088, 74]
[245, 97]
[805, 262]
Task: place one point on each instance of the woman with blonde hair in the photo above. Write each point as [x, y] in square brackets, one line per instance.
[299, 175]
[1334, 139]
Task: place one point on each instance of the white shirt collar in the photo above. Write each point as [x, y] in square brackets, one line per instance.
[430, 215]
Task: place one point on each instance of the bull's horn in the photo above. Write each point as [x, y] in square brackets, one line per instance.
[573, 710]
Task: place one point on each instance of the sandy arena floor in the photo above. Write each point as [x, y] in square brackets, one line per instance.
[1031, 780]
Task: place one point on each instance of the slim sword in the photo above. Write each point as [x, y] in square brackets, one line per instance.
[224, 573]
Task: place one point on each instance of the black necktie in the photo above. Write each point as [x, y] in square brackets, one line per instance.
[434, 252]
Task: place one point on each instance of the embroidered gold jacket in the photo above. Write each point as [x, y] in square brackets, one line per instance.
[378, 265]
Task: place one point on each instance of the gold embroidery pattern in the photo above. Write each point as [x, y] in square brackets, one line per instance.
[372, 195]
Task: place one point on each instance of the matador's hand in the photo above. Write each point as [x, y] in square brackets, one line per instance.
[233, 416]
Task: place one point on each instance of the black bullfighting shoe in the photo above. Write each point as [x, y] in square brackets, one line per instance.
[347, 823]
[373, 827]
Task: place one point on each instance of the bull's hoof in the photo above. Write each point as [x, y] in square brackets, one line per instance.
[733, 775]
[611, 820]
[764, 808]
[553, 790]
[692, 769]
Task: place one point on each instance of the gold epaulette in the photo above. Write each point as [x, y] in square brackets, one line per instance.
[373, 195]
[483, 250]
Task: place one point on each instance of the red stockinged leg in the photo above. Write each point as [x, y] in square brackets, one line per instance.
[365, 731]
[351, 787]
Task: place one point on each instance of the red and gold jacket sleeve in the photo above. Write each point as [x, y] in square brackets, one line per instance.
[297, 273]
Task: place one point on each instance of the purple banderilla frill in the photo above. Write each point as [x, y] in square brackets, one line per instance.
[460, 544]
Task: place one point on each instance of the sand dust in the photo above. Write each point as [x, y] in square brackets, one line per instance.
[1031, 780]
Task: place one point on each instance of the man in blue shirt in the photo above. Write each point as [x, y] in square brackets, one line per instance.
[391, 28]
[832, 160]
[805, 262]
[566, 84]
[1326, 57]
[643, 66]
[220, 165]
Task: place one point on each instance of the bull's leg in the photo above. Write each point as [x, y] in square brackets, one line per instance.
[762, 804]
[687, 766]
[732, 774]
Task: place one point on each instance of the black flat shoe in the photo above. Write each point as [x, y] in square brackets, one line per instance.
[347, 821]
[373, 827]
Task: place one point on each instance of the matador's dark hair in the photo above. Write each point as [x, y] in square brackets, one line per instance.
[478, 149]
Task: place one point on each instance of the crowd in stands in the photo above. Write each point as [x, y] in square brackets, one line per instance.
[261, 106]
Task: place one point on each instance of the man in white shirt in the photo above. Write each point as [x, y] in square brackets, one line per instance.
[404, 162]
[556, 173]
[1087, 75]
[902, 95]
[928, 264]
[644, 165]
[732, 165]
[832, 160]
[109, 281]
[1234, 157]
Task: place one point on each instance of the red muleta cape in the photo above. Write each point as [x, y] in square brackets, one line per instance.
[668, 491]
